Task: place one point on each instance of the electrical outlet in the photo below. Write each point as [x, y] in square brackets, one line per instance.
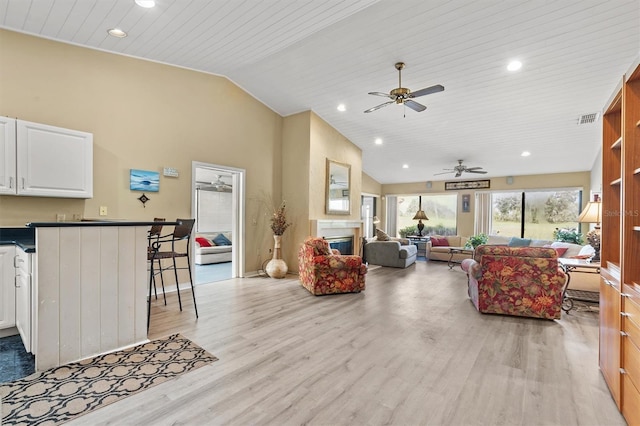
[103, 210]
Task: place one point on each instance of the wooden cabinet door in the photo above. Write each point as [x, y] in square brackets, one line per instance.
[54, 162]
[7, 288]
[7, 155]
[610, 334]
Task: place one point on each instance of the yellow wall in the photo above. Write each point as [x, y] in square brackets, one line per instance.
[143, 115]
[465, 222]
[370, 185]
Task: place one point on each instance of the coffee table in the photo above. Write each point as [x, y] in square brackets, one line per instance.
[457, 250]
[577, 266]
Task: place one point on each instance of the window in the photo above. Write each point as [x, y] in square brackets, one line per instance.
[367, 213]
[544, 211]
[440, 209]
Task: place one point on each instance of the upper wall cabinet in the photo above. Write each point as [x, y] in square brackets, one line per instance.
[45, 161]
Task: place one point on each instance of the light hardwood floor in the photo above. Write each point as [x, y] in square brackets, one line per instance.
[410, 349]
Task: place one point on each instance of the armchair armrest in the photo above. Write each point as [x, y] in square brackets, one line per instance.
[338, 262]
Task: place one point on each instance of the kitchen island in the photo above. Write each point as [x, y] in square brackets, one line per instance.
[88, 289]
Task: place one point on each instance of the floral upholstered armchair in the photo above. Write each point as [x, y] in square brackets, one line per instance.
[323, 271]
[521, 281]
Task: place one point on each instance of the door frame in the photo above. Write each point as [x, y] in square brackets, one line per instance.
[238, 178]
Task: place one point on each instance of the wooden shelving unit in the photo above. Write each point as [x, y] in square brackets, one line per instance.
[620, 245]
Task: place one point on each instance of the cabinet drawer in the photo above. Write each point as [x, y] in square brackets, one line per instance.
[631, 360]
[630, 402]
[631, 316]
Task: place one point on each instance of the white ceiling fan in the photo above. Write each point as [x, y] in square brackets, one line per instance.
[461, 168]
[218, 185]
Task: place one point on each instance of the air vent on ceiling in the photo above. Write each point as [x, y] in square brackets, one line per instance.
[588, 118]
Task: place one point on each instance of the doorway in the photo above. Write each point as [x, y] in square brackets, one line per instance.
[217, 204]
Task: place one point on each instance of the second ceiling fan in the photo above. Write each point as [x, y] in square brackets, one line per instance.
[402, 95]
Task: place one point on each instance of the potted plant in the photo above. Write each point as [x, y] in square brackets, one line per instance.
[475, 240]
[277, 267]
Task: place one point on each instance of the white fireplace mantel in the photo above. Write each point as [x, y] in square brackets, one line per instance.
[338, 228]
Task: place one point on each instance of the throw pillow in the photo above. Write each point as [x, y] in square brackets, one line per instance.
[221, 240]
[559, 250]
[382, 236]
[439, 242]
[519, 242]
[203, 242]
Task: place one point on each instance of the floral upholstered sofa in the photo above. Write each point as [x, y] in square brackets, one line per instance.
[521, 281]
[323, 271]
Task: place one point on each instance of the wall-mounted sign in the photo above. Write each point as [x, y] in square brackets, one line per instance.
[467, 184]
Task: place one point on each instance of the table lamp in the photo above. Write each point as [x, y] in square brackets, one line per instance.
[420, 215]
[592, 213]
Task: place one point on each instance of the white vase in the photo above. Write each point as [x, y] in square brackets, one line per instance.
[277, 268]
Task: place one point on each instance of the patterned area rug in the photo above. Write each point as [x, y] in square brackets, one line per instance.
[63, 393]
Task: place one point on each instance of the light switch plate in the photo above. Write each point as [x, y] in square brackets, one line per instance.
[103, 210]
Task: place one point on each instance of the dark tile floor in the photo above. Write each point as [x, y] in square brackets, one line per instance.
[15, 361]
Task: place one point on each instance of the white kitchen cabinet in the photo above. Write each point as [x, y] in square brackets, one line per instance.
[7, 288]
[7, 155]
[53, 162]
[45, 161]
[24, 297]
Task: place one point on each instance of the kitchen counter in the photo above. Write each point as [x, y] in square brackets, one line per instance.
[97, 222]
[23, 237]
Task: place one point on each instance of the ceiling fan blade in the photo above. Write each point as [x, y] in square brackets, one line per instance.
[427, 91]
[472, 168]
[458, 174]
[442, 173]
[476, 171]
[414, 105]
[386, 95]
[377, 107]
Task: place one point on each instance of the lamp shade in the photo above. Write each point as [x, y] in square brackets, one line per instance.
[592, 212]
[420, 215]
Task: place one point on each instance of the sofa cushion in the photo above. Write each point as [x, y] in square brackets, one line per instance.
[439, 242]
[519, 242]
[381, 235]
[407, 251]
[559, 250]
[498, 240]
[221, 240]
[572, 249]
[203, 242]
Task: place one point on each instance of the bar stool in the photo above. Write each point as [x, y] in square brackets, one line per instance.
[154, 235]
[181, 232]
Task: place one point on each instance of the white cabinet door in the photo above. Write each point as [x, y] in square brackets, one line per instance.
[7, 155]
[54, 162]
[7, 287]
[24, 289]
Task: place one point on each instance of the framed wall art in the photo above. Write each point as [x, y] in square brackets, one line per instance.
[467, 184]
[144, 180]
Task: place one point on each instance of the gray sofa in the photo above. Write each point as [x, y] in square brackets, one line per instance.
[397, 253]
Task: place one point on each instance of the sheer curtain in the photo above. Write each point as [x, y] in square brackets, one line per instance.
[483, 213]
[392, 215]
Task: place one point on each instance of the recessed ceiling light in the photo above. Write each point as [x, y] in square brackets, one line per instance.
[525, 153]
[514, 65]
[378, 141]
[341, 107]
[117, 32]
[405, 166]
[146, 3]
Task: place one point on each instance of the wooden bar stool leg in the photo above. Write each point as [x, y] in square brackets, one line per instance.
[175, 270]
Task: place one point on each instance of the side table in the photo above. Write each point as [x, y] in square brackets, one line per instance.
[456, 250]
[577, 266]
[420, 241]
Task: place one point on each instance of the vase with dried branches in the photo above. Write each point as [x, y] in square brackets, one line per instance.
[277, 267]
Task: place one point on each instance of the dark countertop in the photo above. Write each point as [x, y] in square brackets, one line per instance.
[23, 237]
[97, 222]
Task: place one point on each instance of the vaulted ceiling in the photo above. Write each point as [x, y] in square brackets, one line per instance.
[296, 55]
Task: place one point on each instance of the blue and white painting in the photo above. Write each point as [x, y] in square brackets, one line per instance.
[144, 180]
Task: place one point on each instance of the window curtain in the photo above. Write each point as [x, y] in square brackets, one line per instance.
[392, 215]
[483, 213]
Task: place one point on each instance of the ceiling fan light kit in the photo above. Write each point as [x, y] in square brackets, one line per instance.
[404, 96]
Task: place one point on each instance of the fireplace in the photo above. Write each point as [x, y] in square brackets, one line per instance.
[343, 244]
[329, 229]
